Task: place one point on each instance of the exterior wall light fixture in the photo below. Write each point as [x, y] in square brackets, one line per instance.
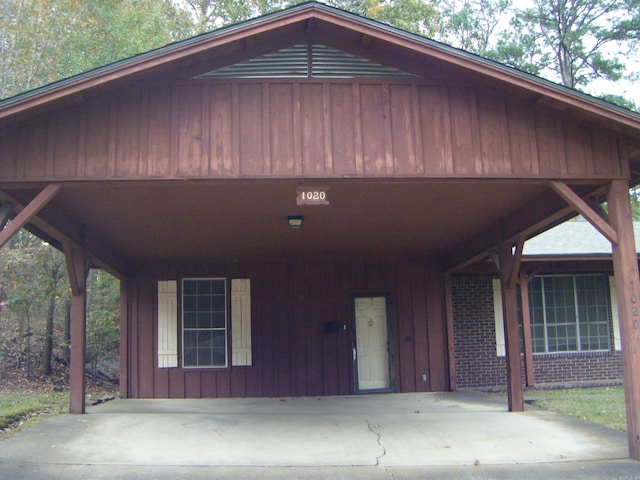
[295, 221]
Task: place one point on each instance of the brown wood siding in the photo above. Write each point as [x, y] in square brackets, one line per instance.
[292, 356]
[307, 128]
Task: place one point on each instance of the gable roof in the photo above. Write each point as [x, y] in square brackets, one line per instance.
[381, 43]
[573, 238]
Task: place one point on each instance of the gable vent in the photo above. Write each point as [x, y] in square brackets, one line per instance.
[302, 61]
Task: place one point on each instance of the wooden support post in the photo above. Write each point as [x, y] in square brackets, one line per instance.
[526, 330]
[77, 267]
[512, 342]
[453, 384]
[124, 339]
[625, 268]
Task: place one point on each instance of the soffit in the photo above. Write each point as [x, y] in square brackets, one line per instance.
[214, 220]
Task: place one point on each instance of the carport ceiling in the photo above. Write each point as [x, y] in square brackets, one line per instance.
[210, 220]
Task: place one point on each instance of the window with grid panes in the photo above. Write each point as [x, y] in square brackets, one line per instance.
[569, 313]
[204, 322]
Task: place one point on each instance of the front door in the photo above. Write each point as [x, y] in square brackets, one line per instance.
[371, 349]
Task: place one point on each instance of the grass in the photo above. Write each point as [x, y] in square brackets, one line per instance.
[604, 406]
[17, 406]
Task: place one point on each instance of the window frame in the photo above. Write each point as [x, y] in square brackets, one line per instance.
[184, 329]
[578, 324]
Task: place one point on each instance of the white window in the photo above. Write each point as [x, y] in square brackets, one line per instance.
[569, 313]
[204, 322]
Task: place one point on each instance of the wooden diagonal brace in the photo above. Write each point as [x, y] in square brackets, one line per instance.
[28, 212]
[585, 210]
[517, 260]
[77, 268]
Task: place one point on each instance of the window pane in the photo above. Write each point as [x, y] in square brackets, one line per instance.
[219, 357]
[204, 320]
[190, 320]
[189, 303]
[204, 303]
[218, 320]
[189, 287]
[218, 287]
[204, 357]
[204, 323]
[190, 338]
[218, 303]
[204, 287]
[190, 357]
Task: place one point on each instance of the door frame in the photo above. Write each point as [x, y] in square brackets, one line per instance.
[354, 342]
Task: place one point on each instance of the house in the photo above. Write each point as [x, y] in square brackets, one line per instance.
[574, 339]
[286, 202]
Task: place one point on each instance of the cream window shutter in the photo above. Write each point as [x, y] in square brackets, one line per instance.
[167, 324]
[241, 322]
[614, 314]
[499, 319]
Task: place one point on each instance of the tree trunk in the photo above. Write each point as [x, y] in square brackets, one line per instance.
[48, 337]
[67, 331]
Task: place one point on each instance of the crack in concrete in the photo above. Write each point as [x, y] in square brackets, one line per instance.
[379, 441]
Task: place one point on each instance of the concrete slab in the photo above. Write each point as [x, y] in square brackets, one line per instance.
[370, 434]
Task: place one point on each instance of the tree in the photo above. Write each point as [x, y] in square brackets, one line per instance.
[472, 24]
[416, 16]
[575, 41]
[42, 40]
[103, 316]
[34, 281]
[56, 288]
[211, 14]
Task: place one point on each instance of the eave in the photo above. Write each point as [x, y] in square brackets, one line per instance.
[305, 21]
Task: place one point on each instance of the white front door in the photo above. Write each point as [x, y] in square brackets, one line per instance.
[372, 343]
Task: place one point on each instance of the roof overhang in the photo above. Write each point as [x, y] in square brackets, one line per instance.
[331, 26]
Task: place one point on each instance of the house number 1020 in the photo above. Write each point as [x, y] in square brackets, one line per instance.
[312, 196]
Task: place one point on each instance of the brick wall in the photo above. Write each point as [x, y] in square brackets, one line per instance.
[477, 365]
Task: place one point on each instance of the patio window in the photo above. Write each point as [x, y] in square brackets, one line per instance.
[204, 322]
[569, 313]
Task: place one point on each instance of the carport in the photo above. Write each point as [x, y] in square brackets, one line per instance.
[178, 170]
[414, 435]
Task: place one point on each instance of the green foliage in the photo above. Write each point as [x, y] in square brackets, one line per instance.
[34, 288]
[103, 315]
[471, 24]
[415, 16]
[634, 195]
[33, 284]
[570, 38]
[620, 101]
[105, 31]
[211, 14]
[44, 40]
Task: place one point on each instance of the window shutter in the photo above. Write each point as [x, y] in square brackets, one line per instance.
[167, 324]
[614, 314]
[498, 316]
[241, 322]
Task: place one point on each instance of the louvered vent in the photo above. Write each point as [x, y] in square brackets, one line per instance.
[302, 61]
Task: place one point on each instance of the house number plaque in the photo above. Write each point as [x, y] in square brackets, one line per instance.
[312, 196]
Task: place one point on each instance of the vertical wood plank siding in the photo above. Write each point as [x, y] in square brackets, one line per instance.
[292, 356]
[289, 128]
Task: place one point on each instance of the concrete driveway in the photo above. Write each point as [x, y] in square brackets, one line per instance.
[440, 435]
